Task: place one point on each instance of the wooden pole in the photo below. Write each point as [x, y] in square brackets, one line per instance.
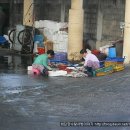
[28, 12]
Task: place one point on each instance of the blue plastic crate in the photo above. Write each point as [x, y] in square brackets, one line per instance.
[101, 64]
[117, 59]
[60, 56]
[58, 61]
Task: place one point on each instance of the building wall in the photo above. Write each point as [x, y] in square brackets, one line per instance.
[18, 13]
[15, 9]
[48, 10]
[4, 17]
[105, 28]
[4, 1]
[113, 13]
[51, 10]
[90, 19]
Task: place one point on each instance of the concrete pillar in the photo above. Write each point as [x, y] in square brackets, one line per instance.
[76, 4]
[76, 20]
[126, 46]
[28, 16]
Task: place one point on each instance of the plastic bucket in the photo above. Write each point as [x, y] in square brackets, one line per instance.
[41, 50]
[36, 71]
[112, 52]
[39, 39]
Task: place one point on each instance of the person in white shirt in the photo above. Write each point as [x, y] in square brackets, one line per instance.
[91, 62]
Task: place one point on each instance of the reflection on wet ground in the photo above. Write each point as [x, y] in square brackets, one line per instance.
[15, 63]
[30, 102]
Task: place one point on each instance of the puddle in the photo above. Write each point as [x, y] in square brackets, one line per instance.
[14, 91]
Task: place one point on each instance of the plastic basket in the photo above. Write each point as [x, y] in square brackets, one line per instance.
[117, 59]
[114, 61]
[60, 56]
[58, 61]
[62, 67]
[119, 67]
[109, 63]
[104, 71]
[102, 64]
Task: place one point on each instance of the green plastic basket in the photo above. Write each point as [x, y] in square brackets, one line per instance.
[104, 69]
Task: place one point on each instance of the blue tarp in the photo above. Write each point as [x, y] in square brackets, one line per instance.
[2, 40]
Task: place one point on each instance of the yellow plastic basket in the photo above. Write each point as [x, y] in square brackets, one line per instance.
[109, 63]
[119, 67]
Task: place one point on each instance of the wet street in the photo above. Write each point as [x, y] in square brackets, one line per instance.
[29, 102]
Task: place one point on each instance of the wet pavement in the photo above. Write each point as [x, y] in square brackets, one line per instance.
[30, 102]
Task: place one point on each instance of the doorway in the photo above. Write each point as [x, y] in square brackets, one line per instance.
[4, 18]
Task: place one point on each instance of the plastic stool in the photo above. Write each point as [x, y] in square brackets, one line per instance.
[36, 71]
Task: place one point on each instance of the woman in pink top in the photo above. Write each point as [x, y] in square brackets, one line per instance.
[91, 62]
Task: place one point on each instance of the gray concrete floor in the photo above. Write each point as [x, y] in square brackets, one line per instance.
[37, 103]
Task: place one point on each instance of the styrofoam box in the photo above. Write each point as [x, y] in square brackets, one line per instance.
[57, 73]
[29, 67]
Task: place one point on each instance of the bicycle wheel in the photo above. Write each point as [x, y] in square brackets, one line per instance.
[25, 37]
[12, 35]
